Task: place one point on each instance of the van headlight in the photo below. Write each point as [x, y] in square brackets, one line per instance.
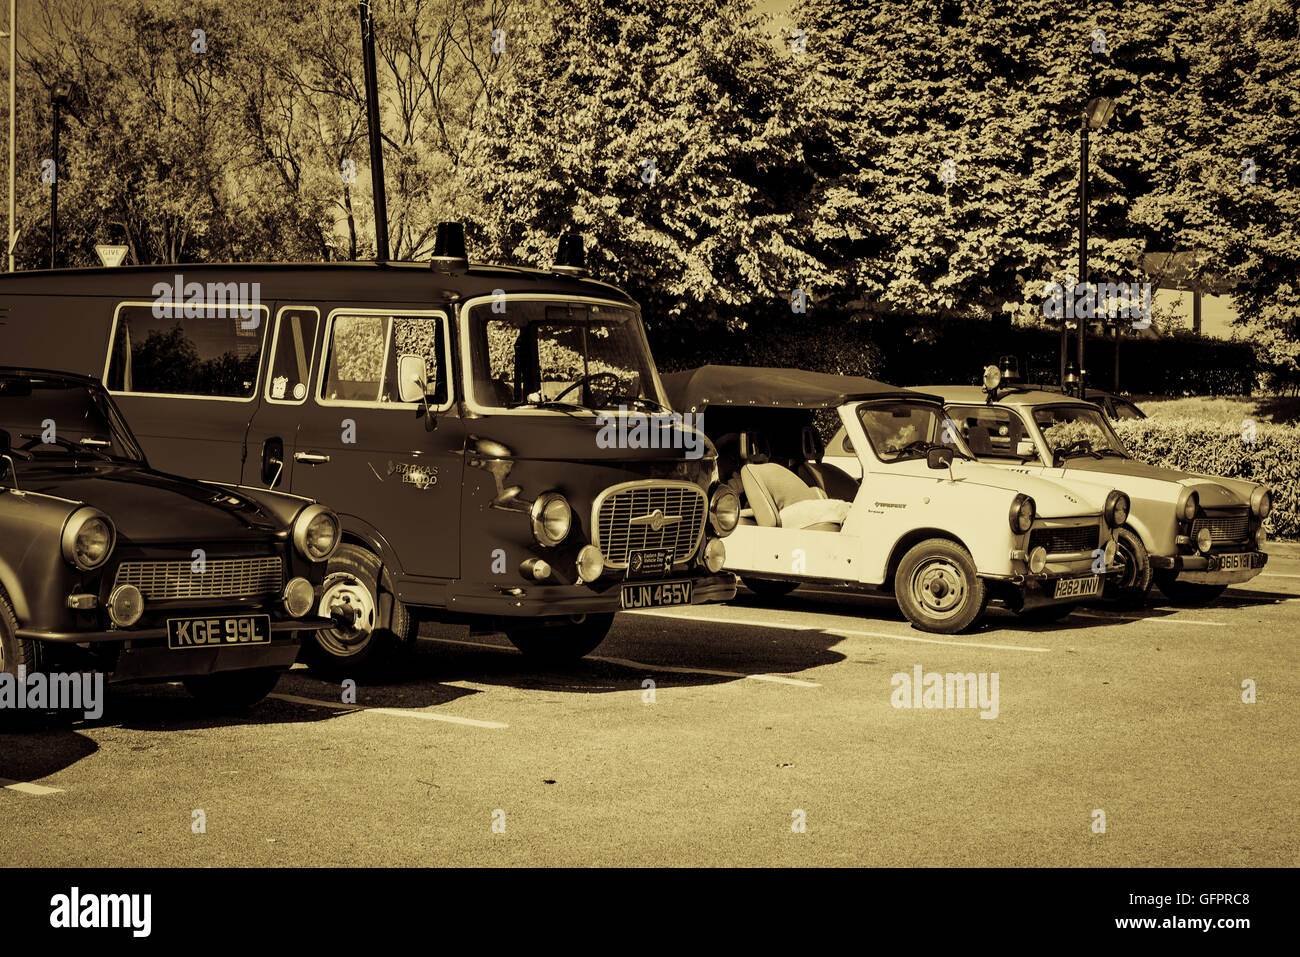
[88, 539]
[1261, 502]
[316, 533]
[724, 510]
[1022, 514]
[552, 519]
[1116, 510]
[1188, 502]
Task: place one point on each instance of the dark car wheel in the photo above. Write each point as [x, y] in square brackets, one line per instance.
[16, 652]
[768, 587]
[232, 690]
[356, 647]
[937, 588]
[560, 640]
[1131, 587]
[1186, 593]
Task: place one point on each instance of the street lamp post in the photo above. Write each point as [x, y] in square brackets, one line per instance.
[58, 97]
[1094, 117]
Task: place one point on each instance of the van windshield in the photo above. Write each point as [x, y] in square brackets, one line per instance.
[582, 354]
[57, 419]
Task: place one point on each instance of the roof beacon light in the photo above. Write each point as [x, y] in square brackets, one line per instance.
[1010, 369]
[570, 258]
[449, 247]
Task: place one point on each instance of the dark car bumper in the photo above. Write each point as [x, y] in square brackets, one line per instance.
[145, 634]
[580, 599]
[1209, 570]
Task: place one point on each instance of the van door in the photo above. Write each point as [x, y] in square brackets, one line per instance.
[365, 453]
[187, 382]
[294, 345]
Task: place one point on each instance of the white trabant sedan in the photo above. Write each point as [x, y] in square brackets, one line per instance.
[1193, 535]
[944, 533]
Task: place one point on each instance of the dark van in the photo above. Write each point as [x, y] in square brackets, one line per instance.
[495, 440]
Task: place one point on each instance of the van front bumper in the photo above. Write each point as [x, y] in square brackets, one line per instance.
[600, 597]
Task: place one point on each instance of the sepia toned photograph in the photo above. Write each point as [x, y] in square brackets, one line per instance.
[772, 435]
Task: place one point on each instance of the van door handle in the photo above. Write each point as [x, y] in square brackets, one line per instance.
[311, 458]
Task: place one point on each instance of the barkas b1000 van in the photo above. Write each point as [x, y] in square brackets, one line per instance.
[921, 519]
[456, 417]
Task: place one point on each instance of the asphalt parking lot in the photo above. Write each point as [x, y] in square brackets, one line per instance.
[746, 734]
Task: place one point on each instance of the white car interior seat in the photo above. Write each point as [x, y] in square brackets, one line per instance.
[780, 499]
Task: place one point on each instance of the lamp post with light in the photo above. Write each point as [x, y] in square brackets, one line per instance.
[59, 95]
[1097, 113]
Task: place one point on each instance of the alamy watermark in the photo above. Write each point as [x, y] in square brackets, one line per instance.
[1089, 300]
[79, 691]
[193, 300]
[933, 689]
[629, 429]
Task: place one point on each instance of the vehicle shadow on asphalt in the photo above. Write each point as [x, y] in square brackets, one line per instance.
[41, 750]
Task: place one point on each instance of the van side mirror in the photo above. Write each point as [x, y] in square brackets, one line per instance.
[940, 458]
[412, 384]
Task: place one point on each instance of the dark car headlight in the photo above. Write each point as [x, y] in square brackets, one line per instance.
[1261, 502]
[552, 519]
[724, 510]
[88, 539]
[316, 533]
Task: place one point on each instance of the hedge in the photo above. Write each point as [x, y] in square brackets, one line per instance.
[1210, 448]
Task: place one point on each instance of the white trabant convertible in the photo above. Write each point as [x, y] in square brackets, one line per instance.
[944, 533]
[1193, 535]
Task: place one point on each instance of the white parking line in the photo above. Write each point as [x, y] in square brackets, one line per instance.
[831, 630]
[25, 787]
[1113, 616]
[646, 666]
[397, 712]
[1276, 575]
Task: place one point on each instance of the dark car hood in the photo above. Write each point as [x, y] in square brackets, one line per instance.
[149, 506]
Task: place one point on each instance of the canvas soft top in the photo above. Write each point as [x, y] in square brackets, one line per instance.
[765, 387]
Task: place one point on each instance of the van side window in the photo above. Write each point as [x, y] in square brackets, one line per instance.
[361, 363]
[295, 337]
[211, 354]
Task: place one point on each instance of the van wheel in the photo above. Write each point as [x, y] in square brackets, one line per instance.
[232, 690]
[1130, 590]
[937, 588]
[768, 587]
[560, 640]
[16, 652]
[1186, 593]
[356, 646]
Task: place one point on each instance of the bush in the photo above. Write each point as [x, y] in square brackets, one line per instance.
[1211, 448]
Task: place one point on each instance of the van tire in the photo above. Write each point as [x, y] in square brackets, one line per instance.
[15, 652]
[1131, 591]
[228, 691]
[355, 578]
[768, 587]
[937, 587]
[560, 640]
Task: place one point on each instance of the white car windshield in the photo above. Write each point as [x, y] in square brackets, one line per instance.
[1071, 430]
[902, 429]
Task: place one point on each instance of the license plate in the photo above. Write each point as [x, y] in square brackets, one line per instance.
[218, 632]
[1236, 561]
[649, 562]
[655, 594]
[1078, 587]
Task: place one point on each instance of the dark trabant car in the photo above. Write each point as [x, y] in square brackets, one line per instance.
[495, 439]
[107, 565]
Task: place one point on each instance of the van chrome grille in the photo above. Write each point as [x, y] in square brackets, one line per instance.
[624, 520]
[221, 578]
[1062, 541]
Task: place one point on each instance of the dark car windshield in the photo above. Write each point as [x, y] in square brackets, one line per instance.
[1076, 428]
[535, 352]
[49, 419]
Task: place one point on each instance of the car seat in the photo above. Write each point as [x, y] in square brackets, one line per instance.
[780, 499]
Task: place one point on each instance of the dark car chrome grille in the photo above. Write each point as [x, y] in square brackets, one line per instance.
[1060, 541]
[1224, 528]
[625, 517]
[221, 578]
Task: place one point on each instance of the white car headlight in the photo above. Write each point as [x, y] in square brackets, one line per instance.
[1116, 510]
[88, 539]
[316, 533]
[1022, 514]
[552, 518]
